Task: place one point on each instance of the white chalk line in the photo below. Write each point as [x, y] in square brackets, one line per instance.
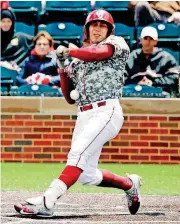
[16, 222]
[67, 213]
[75, 205]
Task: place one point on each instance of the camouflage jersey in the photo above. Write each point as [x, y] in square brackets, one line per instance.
[100, 80]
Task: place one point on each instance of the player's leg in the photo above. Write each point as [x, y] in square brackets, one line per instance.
[104, 178]
[91, 175]
[130, 184]
[94, 129]
[91, 129]
[44, 205]
[145, 14]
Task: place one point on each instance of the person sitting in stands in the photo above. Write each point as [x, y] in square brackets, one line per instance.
[150, 65]
[15, 47]
[147, 12]
[40, 67]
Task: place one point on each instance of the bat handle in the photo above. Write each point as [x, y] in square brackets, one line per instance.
[60, 64]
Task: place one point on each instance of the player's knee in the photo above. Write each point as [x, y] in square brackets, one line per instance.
[89, 179]
[142, 5]
[85, 180]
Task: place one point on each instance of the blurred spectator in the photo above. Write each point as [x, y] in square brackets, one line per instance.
[40, 67]
[4, 4]
[15, 47]
[150, 65]
[147, 12]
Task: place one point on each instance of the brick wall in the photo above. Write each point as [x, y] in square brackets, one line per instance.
[39, 138]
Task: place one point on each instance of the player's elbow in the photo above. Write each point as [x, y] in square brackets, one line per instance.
[69, 100]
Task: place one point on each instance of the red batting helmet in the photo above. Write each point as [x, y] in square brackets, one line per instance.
[100, 15]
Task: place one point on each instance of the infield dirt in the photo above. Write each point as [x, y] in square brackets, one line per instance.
[95, 208]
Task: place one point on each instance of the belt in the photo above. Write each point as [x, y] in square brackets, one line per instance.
[90, 106]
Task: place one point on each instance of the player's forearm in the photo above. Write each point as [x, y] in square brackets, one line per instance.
[93, 53]
[66, 86]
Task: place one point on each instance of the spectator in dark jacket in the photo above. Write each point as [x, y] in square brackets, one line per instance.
[40, 67]
[15, 47]
[152, 66]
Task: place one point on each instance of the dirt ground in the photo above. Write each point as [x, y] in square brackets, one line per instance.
[79, 208]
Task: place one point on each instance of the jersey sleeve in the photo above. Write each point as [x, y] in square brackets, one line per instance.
[120, 46]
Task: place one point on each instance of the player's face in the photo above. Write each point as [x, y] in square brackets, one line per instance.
[148, 44]
[97, 31]
[5, 24]
[42, 46]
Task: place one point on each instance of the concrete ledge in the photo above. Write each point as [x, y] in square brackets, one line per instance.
[20, 105]
[56, 105]
[150, 106]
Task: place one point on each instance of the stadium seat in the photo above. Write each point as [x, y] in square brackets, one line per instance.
[112, 6]
[176, 54]
[9, 75]
[26, 11]
[118, 9]
[75, 11]
[63, 31]
[35, 90]
[8, 79]
[25, 28]
[126, 32]
[142, 91]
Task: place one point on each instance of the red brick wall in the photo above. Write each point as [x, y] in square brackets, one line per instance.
[47, 138]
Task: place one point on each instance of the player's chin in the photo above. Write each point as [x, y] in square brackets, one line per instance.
[96, 40]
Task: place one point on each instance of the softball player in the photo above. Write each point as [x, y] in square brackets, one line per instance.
[94, 80]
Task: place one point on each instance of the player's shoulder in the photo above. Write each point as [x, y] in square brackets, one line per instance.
[116, 38]
[116, 41]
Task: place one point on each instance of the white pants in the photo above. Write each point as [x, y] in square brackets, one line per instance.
[92, 130]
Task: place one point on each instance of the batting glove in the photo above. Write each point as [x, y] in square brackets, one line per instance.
[62, 53]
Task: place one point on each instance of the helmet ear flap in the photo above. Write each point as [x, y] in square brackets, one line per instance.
[110, 30]
[87, 30]
[86, 34]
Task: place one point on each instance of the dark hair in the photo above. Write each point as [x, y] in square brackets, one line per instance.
[46, 35]
[7, 13]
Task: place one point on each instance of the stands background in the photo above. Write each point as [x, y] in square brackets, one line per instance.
[33, 16]
[64, 20]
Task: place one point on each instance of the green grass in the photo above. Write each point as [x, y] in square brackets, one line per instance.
[157, 179]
